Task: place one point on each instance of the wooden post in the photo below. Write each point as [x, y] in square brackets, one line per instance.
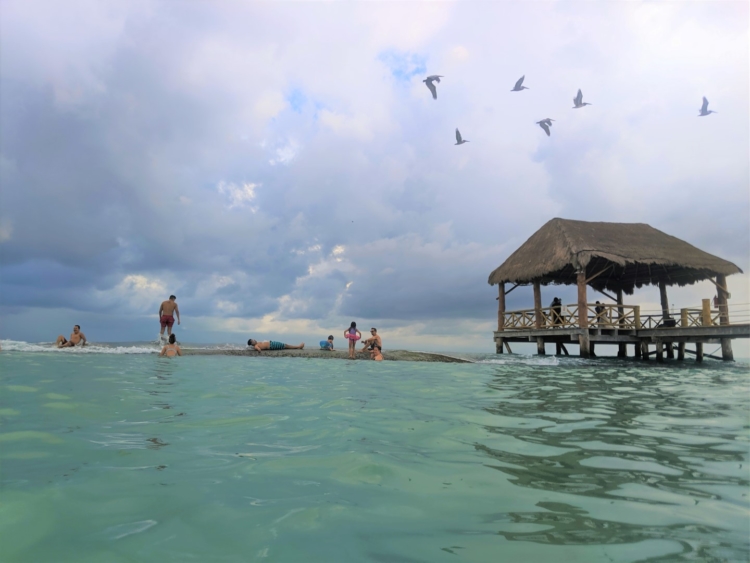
[706, 313]
[637, 317]
[726, 344]
[665, 314]
[538, 320]
[644, 350]
[500, 316]
[659, 351]
[637, 351]
[699, 350]
[683, 323]
[583, 315]
[622, 349]
[537, 305]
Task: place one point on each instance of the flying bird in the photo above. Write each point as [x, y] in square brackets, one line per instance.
[518, 87]
[459, 139]
[578, 100]
[429, 82]
[545, 124]
[704, 108]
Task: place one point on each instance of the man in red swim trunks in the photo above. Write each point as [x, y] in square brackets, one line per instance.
[166, 315]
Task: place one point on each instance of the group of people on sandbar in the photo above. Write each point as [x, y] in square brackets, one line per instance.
[372, 346]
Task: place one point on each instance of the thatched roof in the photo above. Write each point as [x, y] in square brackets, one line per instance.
[633, 255]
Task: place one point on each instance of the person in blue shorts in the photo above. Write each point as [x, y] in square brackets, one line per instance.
[273, 345]
[327, 344]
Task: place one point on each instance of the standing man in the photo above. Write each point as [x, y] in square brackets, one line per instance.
[166, 315]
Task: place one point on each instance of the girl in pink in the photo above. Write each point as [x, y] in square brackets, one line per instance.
[352, 335]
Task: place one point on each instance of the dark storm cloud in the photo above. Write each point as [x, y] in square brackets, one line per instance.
[225, 153]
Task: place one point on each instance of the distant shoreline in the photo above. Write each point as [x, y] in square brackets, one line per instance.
[397, 355]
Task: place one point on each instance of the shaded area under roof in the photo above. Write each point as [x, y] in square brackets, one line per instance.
[628, 255]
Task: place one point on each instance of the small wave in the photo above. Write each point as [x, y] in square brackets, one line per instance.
[20, 346]
[526, 360]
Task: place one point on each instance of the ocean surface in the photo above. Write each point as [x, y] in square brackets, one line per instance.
[112, 454]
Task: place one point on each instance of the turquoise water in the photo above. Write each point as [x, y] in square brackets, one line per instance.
[109, 458]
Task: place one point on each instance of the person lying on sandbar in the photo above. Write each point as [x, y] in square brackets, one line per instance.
[77, 337]
[272, 345]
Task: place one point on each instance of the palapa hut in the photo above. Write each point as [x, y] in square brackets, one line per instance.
[616, 257]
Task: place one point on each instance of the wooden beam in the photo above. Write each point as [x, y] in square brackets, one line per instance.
[622, 349]
[699, 351]
[607, 295]
[665, 313]
[598, 273]
[501, 307]
[726, 344]
[583, 315]
[507, 346]
[537, 304]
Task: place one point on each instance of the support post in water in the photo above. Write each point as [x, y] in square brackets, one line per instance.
[500, 316]
[538, 320]
[726, 344]
[622, 349]
[583, 315]
[699, 351]
[665, 316]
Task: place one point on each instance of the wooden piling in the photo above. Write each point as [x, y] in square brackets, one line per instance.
[726, 344]
[500, 316]
[665, 313]
[659, 351]
[538, 320]
[583, 315]
[699, 351]
[622, 349]
[644, 350]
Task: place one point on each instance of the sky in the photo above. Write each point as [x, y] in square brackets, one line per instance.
[282, 168]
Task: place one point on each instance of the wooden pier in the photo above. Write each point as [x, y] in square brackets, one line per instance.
[624, 326]
[614, 259]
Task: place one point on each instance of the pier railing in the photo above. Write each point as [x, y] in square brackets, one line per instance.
[624, 317]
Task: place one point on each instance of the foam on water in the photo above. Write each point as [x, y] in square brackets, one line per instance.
[20, 346]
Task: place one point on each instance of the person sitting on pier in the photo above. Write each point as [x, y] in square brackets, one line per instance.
[273, 345]
[599, 310]
[556, 307]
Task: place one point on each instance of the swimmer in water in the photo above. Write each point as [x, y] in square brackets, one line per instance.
[76, 338]
[171, 350]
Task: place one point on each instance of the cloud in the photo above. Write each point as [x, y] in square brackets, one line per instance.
[130, 132]
[239, 195]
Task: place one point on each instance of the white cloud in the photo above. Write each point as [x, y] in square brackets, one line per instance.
[239, 195]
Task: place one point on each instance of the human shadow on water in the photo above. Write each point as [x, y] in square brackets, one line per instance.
[668, 439]
[161, 383]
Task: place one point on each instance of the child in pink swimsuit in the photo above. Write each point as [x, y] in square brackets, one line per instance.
[352, 335]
